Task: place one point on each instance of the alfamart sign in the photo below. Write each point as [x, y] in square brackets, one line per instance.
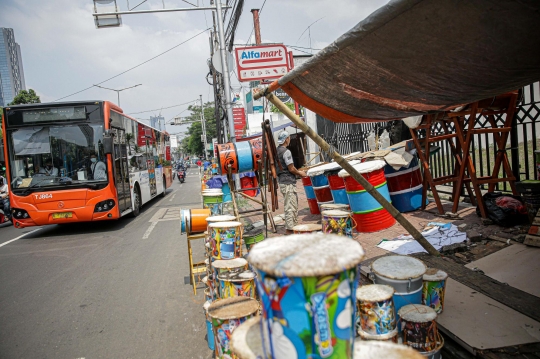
[262, 62]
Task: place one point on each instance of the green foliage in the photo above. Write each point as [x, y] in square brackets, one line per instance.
[192, 143]
[290, 105]
[24, 97]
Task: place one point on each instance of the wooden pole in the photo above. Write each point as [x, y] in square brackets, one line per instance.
[354, 174]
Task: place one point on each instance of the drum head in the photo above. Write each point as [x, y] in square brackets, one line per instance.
[225, 224]
[233, 308]
[374, 293]
[417, 313]
[222, 218]
[309, 227]
[237, 276]
[229, 263]
[398, 267]
[365, 167]
[335, 213]
[365, 349]
[435, 275]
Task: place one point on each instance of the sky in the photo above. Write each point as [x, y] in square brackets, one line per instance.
[63, 52]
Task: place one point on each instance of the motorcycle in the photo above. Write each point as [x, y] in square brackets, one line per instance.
[181, 174]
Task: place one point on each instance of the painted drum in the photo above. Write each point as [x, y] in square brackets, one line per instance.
[376, 309]
[237, 284]
[340, 196]
[210, 286]
[227, 315]
[306, 284]
[184, 213]
[369, 214]
[256, 151]
[337, 222]
[433, 289]
[245, 156]
[209, 331]
[405, 186]
[322, 204]
[380, 349]
[227, 156]
[213, 200]
[225, 239]
[220, 266]
[338, 206]
[402, 273]
[253, 237]
[418, 327]
[310, 193]
[388, 337]
[313, 206]
[323, 194]
[318, 180]
[306, 228]
[227, 197]
[196, 220]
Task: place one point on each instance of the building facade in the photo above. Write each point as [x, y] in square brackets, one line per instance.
[11, 67]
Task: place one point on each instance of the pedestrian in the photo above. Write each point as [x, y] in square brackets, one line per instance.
[206, 165]
[199, 163]
[287, 181]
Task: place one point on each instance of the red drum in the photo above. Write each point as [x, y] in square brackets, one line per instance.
[256, 151]
[323, 194]
[306, 181]
[336, 182]
[313, 206]
[375, 178]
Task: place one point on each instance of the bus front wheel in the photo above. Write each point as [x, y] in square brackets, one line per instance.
[136, 203]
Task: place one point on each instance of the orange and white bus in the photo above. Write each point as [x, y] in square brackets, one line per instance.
[81, 161]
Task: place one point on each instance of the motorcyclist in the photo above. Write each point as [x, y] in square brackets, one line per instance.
[4, 199]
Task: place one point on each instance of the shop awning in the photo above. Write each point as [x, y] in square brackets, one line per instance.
[412, 57]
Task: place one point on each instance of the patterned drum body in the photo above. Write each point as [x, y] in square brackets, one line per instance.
[237, 284]
[256, 150]
[433, 289]
[214, 202]
[323, 194]
[418, 327]
[245, 156]
[227, 156]
[313, 206]
[376, 309]
[337, 222]
[405, 186]
[196, 220]
[225, 239]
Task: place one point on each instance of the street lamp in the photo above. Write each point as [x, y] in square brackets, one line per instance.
[117, 91]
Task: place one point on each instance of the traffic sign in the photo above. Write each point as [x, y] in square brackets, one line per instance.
[262, 62]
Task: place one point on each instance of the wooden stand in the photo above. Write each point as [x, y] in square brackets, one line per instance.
[195, 268]
[464, 170]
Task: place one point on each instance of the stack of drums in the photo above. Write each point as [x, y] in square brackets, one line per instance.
[331, 189]
[434, 288]
[320, 186]
[193, 221]
[419, 330]
[402, 273]
[369, 214]
[213, 200]
[227, 315]
[242, 156]
[307, 285]
[405, 186]
[310, 195]
[376, 313]
[337, 222]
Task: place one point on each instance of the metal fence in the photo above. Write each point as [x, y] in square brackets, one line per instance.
[524, 140]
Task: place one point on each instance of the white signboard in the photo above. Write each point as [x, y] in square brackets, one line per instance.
[262, 62]
[174, 142]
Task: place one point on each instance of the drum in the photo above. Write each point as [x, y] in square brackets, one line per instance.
[196, 220]
[227, 156]
[433, 289]
[313, 206]
[337, 222]
[306, 228]
[245, 156]
[402, 273]
[323, 194]
[405, 186]
[227, 197]
[221, 218]
[209, 331]
[369, 215]
[332, 206]
[308, 188]
[253, 237]
[380, 349]
[227, 315]
[306, 284]
[237, 284]
[256, 151]
[225, 239]
[220, 266]
[246, 341]
[213, 200]
[418, 327]
[184, 213]
[376, 310]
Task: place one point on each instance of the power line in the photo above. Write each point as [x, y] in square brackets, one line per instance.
[162, 108]
[134, 67]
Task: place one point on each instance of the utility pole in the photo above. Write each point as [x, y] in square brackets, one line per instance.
[203, 125]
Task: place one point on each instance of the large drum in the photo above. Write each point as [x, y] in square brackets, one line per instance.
[193, 221]
[405, 186]
[307, 284]
[337, 222]
[369, 214]
[242, 157]
[310, 195]
[402, 273]
[213, 200]
[227, 315]
[225, 239]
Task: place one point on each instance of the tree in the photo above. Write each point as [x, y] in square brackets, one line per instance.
[24, 97]
[290, 105]
[194, 143]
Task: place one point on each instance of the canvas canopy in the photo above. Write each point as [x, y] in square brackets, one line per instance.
[413, 57]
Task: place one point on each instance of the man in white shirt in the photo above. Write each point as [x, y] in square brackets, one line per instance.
[98, 168]
[48, 170]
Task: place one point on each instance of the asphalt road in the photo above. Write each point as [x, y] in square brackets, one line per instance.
[114, 289]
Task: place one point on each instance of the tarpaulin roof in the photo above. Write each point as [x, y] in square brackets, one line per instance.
[418, 56]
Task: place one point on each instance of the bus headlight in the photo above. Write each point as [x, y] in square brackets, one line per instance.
[104, 206]
[18, 213]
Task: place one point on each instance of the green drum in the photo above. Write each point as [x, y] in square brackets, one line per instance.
[253, 237]
[213, 200]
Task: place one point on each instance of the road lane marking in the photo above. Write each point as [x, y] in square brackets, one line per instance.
[19, 237]
[149, 230]
[172, 197]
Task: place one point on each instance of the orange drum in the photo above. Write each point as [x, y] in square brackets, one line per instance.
[197, 220]
[256, 151]
[227, 156]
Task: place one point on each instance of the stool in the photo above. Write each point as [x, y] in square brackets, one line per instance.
[198, 268]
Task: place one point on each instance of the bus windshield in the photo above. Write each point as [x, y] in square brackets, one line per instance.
[60, 156]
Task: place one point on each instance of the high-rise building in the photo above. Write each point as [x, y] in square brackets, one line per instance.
[155, 121]
[11, 67]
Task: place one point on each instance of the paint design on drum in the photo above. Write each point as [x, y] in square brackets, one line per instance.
[433, 295]
[227, 156]
[223, 330]
[342, 226]
[216, 209]
[237, 289]
[420, 336]
[377, 317]
[313, 315]
[225, 243]
[256, 149]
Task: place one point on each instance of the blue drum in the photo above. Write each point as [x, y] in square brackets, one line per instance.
[227, 197]
[209, 331]
[319, 180]
[404, 274]
[405, 186]
[245, 156]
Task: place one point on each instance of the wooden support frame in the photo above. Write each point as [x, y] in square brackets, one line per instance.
[195, 268]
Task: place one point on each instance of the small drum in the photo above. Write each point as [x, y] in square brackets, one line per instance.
[237, 284]
[434, 287]
[209, 331]
[418, 327]
[225, 239]
[195, 220]
[256, 151]
[402, 273]
[369, 214]
[376, 309]
[383, 350]
[314, 206]
[307, 284]
[227, 156]
[227, 315]
[306, 228]
[323, 194]
[220, 266]
[337, 206]
[337, 222]
[213, 200]
[253, 237]
[405, 186]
